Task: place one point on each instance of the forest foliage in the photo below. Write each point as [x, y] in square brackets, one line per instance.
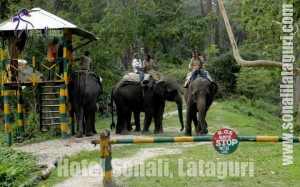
[169, 30]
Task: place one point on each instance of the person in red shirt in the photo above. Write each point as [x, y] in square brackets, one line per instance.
[52, 57]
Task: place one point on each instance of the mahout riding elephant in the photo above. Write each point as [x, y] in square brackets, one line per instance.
[199, 96]
[132, 97]
[84, 91]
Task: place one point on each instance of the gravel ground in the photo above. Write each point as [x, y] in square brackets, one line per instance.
[50, 150]
[47, 151]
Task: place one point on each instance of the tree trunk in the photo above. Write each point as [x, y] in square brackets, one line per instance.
[127, 57]
[217, 26]
[255, 63]
[208, 8]
[201, 7]
[210, 26]
[236, 53]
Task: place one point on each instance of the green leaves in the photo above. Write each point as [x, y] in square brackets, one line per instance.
[258, 83]
[262, 22]
[15, 167]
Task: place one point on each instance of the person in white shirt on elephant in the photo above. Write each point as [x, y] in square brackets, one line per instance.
[138, 66]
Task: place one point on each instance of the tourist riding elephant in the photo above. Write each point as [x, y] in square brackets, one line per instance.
[198, 96]
[131, 97]
[84, 91]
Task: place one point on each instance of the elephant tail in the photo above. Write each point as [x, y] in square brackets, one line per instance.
[113, 125]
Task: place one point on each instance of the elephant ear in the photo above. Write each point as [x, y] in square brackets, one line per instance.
[213, 88]
[160, 88]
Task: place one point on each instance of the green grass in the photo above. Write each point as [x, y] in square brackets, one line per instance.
[88, 156]
[16, 167]
[267, 157]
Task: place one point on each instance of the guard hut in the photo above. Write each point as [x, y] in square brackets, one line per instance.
[53, 92]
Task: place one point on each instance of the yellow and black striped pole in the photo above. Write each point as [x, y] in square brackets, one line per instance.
[20, 110]
[3, 69]
[62, 111]
[5, 92]
[65, 65]
[33, 72]
[7, 116]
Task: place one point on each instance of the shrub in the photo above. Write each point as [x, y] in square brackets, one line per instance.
[223, 70]
[258, 83]
[15, 167]
[32, 131]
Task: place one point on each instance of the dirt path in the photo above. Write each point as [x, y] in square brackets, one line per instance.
[52, 149]
[91, 176]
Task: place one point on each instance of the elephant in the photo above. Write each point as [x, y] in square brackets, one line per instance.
[199, 96]
[84, 89]
[132, 97]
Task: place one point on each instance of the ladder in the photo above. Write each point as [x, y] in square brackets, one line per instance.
[49, 106]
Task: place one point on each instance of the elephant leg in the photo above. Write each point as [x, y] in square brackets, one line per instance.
[205, 131]
[202, 125]
[189, 117]
[83, 124]
[128, 119]
[122, 123]
[124, 126]
[158, 118]
[194, 118]
[122, 116]
[147, 121]
[94, 125]
[72, 122]
[137, 121]
[120, 120]
[89, 117]
[79, 132]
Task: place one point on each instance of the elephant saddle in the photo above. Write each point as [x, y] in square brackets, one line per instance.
[135, 78]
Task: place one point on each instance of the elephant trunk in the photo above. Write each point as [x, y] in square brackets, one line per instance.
[201, 106]
[178, 101]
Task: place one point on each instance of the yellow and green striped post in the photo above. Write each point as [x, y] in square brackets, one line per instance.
[33, 72]
[62, 111]
[20, 110]
[3, 68]
[65, 64]
[105, 153]
[7, 116]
